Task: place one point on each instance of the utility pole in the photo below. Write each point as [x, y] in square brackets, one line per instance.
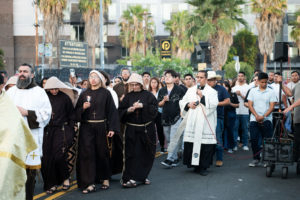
[36, 34]
[101, 35]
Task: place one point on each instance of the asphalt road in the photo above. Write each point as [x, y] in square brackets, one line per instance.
[235, 180]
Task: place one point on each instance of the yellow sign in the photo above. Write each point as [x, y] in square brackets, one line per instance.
[201, 66]
[165, 50]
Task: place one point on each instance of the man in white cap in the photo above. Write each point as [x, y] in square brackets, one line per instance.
[59, 134]
[224, 100]
[138, 111]
[99, 121]
[34, 105]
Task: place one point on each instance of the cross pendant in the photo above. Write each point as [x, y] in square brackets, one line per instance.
[94, 113]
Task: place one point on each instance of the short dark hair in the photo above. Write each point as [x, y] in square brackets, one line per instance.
[203, 71]
[263, 75]
[177, 75]
[1, 79]
[257, 70]
[295, 72]
[191, 75]
[106, 77]
[27, 65]
[171, 71]
[277, 73]
[241, 72]
[3, 72]
[146, 73]
[125, 68]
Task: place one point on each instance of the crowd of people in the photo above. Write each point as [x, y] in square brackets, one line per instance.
[106, 127]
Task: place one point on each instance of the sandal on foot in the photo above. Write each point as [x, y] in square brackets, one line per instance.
[129, 184]
[89, 189]
[147, 182]
[66, 187]
[51, 190]
[104, 187]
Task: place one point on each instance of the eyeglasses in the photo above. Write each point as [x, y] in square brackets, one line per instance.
[188, 79]
[93, 77]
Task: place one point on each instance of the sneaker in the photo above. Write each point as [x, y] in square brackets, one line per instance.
[235, 148]
[245, 148]
[175, 163]
[230, 151]
[254, 163]
[167, 163]
[219, 163]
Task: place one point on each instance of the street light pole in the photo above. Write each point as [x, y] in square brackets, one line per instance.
[101, 35]
[36, 34]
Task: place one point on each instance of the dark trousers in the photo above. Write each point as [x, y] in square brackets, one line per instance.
[160, 130]
[259, 131]
[297, 141]
[30, 183]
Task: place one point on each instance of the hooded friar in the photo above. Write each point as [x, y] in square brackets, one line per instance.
[58, 134]
[99, 120]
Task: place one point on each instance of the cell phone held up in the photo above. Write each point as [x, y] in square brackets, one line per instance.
[72, 72]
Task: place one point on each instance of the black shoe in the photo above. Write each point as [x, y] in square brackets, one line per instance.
[203, 172]
[175, 163]
[167, 163]
[163, 150]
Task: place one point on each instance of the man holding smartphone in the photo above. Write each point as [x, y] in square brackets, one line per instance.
[168, 98]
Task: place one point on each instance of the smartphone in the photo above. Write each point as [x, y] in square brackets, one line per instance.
[72, 72]
[197, 103]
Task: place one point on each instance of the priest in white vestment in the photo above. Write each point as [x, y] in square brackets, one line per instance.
[34, 105]
[199, 110]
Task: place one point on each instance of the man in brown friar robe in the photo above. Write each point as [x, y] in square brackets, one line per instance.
[138, 111]
[99, 120]
[58, 135]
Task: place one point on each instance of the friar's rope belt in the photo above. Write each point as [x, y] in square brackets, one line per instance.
[95, 121]
[139, 125]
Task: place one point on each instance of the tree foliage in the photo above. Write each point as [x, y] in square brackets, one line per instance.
[52, 11]
[215, 21]
[230, 72]
[137, 27]
[183, 41]
[244, 45]
[268, 22]
[295, 33]
[155, 65]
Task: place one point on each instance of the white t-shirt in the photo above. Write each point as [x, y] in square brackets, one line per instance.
[276, 88]
[241, 110]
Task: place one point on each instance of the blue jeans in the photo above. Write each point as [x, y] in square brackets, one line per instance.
[243, 121]
[169, 132]
[258, 132]
[219, 133]
[229, 130]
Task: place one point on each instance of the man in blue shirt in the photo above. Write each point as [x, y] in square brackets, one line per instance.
[224, 100]
[261, 101]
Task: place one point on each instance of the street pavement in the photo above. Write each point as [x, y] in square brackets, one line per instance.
[234, 181]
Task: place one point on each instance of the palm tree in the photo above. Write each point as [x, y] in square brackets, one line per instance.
[90, 16]
[295, 33]
[183, 42]
[268, 21]
[136, 27]
[52, 11]
[215, 21]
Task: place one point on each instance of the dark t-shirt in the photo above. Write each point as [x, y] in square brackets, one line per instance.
[171, 109]
[233, 99]
[222, 95]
